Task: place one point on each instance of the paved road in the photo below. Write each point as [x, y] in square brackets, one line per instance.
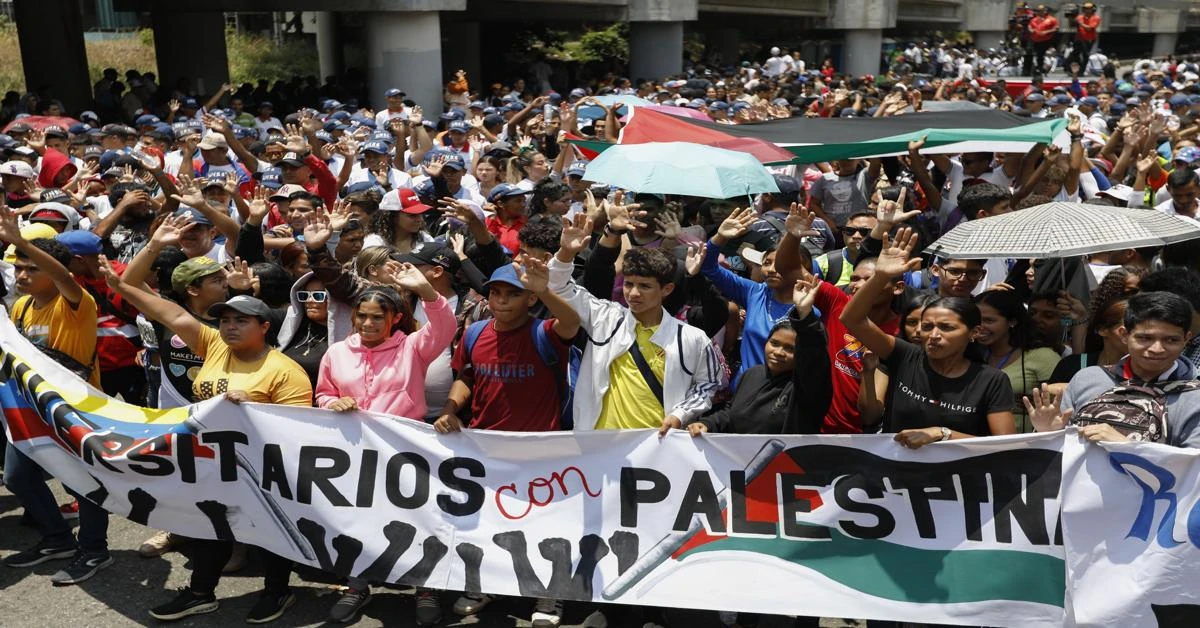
[121, 594]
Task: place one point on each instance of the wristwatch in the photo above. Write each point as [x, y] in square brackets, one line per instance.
[946, 433]
[608, 230]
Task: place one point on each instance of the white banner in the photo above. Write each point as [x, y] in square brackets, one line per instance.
[1131, 512]
[862, 526]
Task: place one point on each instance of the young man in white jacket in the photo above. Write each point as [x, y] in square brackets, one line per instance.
[642, 368]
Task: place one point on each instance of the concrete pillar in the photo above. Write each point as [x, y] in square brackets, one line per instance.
[329, 44]
[191, 45]
[655, 50]
[50, 34]
[864, 47]
[1164, 44]
[404, 50]
[988, 39]
[461, 50]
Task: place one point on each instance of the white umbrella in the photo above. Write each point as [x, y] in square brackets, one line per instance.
[1063, 230]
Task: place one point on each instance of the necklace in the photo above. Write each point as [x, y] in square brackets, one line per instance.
[309, 339]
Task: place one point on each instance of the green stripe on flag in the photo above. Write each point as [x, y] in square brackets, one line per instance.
[911, 574]
[1036, 132]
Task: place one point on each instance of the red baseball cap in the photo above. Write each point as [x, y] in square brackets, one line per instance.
[403, 200]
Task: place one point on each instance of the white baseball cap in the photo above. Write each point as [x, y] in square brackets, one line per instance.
[18, 169]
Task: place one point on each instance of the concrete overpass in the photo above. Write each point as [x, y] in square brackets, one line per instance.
[415, 44]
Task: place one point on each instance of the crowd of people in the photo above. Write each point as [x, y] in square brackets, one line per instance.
[454, 266]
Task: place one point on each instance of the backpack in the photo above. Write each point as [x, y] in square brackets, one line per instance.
[1138, 410]
[549, 355]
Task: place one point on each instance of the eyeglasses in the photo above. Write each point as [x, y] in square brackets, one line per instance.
[316, 296]
[972, 274]
[862, 231]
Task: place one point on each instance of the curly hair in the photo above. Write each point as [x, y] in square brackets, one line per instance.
[1111, 289]
[541, 232]
[547, 190]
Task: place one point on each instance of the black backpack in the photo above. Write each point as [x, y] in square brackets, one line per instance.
[1138, 410]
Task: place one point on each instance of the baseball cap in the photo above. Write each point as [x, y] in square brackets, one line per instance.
[17, 169]
[394, 92]
[287, 191]
[192, 214]
[1179, 100]
[244, 304]
[403, 200]
[1188, 155]
[375, 146]
[212, 141]
[56, 212]
[453, 114]
[54, 131]
[459, 126]
[81, 242]
[31, 231]
[272, 178]
[1119, 192]
[492, 119]
[576, 169]
[455, 161]
[504, 190]
[505, 274]
[433, 253]
[477, 104]
[578, 92]
[1035, 97]
[193, 270]
[786, 184]
[54, 195]
[146, 119]
[290, 159]
[1090, 101]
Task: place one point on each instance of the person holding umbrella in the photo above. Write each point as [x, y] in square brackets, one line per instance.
[940, 393]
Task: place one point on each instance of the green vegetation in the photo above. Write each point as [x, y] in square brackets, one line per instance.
[251, 57]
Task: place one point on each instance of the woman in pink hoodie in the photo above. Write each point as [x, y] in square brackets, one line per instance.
[381, 367]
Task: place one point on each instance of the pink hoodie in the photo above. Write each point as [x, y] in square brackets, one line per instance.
[389, 377]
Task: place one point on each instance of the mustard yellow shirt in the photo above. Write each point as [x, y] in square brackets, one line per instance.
[629, 403]
[275, 378]
[61, 327]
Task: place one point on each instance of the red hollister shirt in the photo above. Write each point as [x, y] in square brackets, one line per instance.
[845, 353]
[514, 390]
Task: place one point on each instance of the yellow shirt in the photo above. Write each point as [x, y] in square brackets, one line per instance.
[629, 403]
[275, 378]
[61, 327]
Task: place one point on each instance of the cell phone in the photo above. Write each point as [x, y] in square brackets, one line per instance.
[547, 111]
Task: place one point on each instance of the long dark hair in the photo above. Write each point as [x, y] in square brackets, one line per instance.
[391, 301]
[919, 302]
[1010, 306]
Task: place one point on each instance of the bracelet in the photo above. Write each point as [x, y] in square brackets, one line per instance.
[608, 230]
[1075, 137]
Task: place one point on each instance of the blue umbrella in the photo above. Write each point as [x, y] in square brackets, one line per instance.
[681, 168]
[623, 103]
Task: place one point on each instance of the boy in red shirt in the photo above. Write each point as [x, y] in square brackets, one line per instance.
[503, 375]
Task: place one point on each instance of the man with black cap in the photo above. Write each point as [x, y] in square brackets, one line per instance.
[439, 263]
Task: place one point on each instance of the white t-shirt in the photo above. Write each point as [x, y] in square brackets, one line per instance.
[385, 116]
[774, 66]
[263, 125]
[397, 179]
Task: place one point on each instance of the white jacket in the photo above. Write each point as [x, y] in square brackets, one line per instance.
[692, 374]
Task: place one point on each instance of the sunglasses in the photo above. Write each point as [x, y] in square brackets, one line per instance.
[316, 296]
[862, 231]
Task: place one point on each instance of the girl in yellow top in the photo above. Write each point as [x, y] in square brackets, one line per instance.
[239, 364]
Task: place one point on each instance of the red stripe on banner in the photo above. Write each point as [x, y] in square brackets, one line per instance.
[25, 424]
[587, 153]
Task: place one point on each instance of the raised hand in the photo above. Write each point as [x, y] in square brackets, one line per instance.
[294, 140]
[575, 237]
[110, 276]
[668, 226]
[694, 259]
[339, 215]
[891, 213]
[189, 193]
[1146, 162]
[804, 294]
[1044, 410]
[231, 182]
[171, 229]
[36, 139]
[735, 226]
[259, 207]
[218, 124]
[318, 231]
[174, 105]
[458, 242]
[411, 278]
[239, 275]
[10, 231]
[894, 260]
[915, 146]
[533, 273]
[434, 169]
[415, 116]
[799, 222]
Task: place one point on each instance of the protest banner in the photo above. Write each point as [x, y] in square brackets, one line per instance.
[961, 532]
[1132, 513]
